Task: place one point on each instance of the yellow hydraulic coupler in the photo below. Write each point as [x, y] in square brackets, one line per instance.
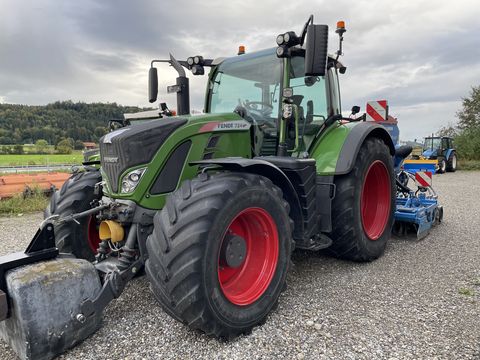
[111, 230]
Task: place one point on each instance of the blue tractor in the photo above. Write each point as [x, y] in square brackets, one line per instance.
[440, 148]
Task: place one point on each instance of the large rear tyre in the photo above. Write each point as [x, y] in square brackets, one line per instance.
[220, 251]
[364, 205]
[75, 196]
[452, 163]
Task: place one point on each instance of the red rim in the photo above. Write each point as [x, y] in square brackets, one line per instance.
[375, 200]
[243, 285]
[93, 236]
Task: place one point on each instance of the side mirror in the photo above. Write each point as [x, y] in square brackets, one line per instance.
[355, 109]
[316, 48]
[152, 84]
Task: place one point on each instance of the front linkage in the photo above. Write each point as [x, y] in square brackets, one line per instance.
[73, 283]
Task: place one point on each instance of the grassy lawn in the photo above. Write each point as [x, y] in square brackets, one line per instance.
[19, 204]
[75, 157]
[469, 164]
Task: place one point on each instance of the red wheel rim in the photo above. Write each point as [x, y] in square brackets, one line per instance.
[375, 200]
[93, 237]
[246, 283]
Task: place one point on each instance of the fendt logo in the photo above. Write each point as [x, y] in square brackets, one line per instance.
[232, 125]
[110, 159]
[236, 125]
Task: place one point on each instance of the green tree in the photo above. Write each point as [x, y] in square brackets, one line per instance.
[469, 116]
[64, 147]
[467, 140]
[100, 131]
[41, 146]
[18, 149]
[448, 130]
[78, 145]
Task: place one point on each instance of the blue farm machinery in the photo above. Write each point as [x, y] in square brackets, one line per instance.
[417, 208]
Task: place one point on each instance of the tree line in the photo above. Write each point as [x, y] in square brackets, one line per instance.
[466, 132]
[62, 120]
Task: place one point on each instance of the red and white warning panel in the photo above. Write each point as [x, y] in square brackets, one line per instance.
[377, 110]
[423, 178]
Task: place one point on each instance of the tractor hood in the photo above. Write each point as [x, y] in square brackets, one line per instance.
[134, 145]
[430, 153]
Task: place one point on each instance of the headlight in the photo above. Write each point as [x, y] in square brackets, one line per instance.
[131, 180]
[280, 39]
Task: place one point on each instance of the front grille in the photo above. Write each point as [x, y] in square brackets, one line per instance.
[133, 145]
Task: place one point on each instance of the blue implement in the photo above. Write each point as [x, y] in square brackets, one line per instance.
[418, 211]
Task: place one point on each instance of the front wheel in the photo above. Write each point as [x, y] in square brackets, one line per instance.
[80, 239]
[442, 166]
[364, 204]
[220, 251]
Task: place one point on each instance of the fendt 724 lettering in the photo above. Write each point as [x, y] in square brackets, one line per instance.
[210, 206]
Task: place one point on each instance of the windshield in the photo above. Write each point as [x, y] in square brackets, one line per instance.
[251, 81]
[250, 85]
[431, 143]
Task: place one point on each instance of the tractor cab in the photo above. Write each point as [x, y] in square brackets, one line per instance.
[435, 146]
[251, 86]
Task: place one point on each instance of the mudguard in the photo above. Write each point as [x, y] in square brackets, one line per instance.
[335, 152]
[448, 153]
[354, 141]
[271, 171]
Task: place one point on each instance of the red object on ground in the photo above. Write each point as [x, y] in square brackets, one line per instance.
[11, 185]
[245, 284]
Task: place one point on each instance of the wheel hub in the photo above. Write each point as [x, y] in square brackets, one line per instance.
[248, 256]
[234, 250]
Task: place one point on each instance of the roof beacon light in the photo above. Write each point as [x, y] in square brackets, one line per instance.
[340, 27]
[340, 31]
[241, 50]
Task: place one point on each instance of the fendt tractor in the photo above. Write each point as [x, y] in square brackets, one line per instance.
[209, 206]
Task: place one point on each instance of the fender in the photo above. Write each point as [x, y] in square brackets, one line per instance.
[271, 171]
[448, 153]
[354, 141]
[336, 150]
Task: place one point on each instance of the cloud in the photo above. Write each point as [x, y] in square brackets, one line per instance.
[421, 56]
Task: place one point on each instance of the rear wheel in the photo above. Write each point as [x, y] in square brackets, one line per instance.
[75, 196]
[220, 251]
[452, 163]
[364, 204]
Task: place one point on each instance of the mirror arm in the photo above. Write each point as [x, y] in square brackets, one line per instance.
[304, 31]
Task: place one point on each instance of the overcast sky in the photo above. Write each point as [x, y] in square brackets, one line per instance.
[422, 56]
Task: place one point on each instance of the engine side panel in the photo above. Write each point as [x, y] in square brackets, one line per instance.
[210, 136]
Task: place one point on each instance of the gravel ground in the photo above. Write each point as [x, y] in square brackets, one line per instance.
[420, 300]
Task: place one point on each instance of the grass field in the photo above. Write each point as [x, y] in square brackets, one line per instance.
[75, 157]
[469, 164]
[20, 204]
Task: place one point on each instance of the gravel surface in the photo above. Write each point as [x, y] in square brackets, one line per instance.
[420, 300]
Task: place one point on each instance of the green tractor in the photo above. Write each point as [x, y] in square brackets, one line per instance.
[212, 206]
